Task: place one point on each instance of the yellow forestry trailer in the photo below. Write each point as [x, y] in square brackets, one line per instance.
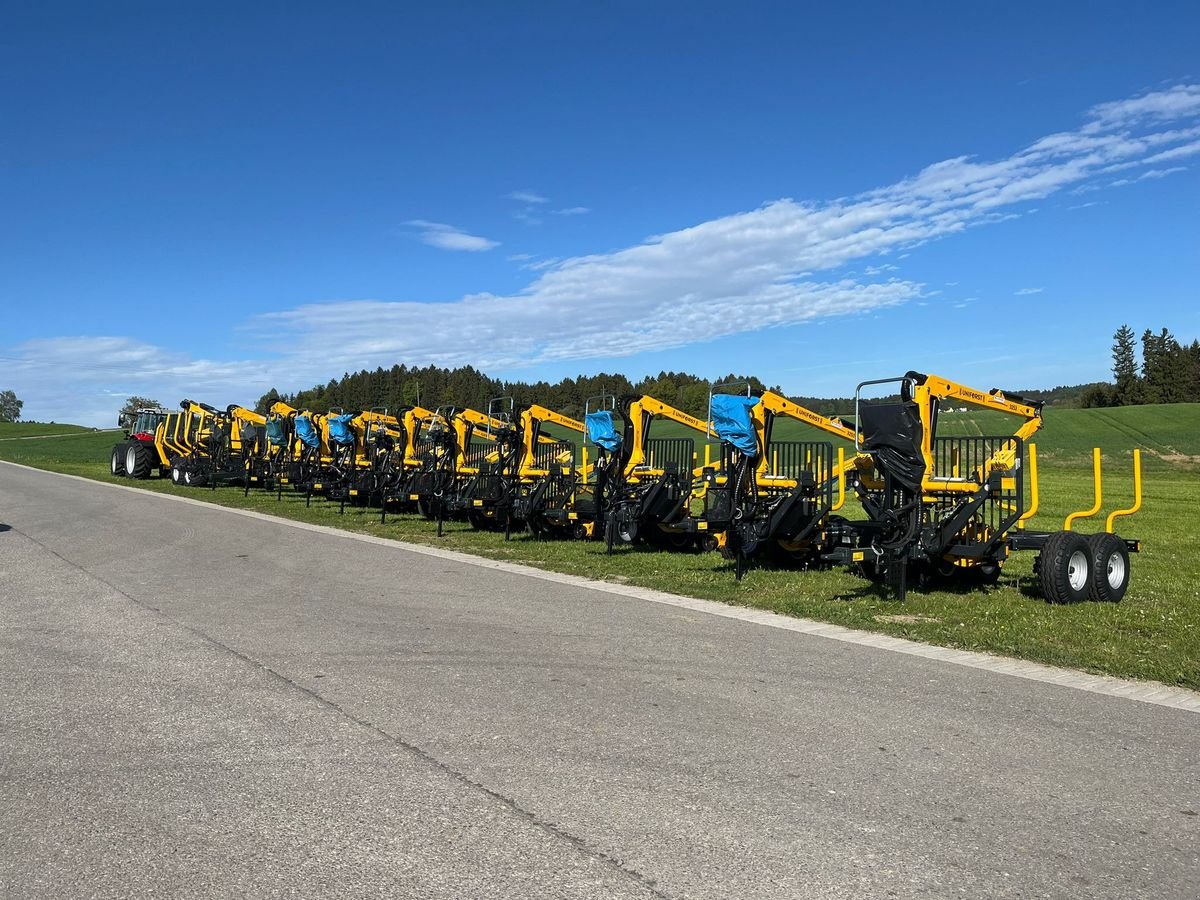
[643, 485]
[953, 507]
[780, 494]
[530, 480]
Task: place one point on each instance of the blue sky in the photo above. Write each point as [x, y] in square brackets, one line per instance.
[213, 200]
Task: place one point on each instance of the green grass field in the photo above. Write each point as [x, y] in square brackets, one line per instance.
[18, 430]
[1154, 633]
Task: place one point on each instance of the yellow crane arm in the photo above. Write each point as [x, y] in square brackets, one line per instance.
[928, 388]
[657, 409]
[782, 406]
[531, 419]
[543, 414]
[945, 389]
[241, 414]
[642, 412]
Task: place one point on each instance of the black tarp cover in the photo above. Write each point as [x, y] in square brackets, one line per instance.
[892, 435]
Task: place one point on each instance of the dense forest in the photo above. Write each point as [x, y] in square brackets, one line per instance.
[1169, 372]
[433, 386]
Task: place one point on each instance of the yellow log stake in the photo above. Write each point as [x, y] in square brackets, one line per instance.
[1137, 493]
[1083, 514]
[1033, 488]
[841, 470]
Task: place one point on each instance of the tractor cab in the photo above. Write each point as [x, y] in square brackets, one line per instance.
[141, 424]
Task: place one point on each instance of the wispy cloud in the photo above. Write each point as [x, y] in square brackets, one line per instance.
[767, 267]
[1025, 292]
[742, 271]
[526, 197]
[572, 211]
[519, 257]
[448, 237]
[86, 379]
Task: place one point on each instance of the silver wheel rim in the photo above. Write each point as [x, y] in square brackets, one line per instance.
[175, 475]
[1077, 570]
[1116, 570]
[115, 465]
[131, 459]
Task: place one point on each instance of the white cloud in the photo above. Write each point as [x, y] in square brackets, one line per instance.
[767, 267]
[86, 379]
[1173, 103]
[448, 237]
[526, 197]
[519, 257]
[741, 272]
[1161, 173]
[572, 211]
[1025, 292]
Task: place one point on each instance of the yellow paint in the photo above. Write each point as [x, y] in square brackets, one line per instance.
[841, 500]
[1137, 493]
[1033, 488]
[1096, 480]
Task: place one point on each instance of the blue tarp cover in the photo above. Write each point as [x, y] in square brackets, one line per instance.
[731, 421]
[339, 429]
[601, 431]
[307, 432]
[275, 432]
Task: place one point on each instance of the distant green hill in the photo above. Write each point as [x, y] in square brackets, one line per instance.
[1166, 434]
[38, 429]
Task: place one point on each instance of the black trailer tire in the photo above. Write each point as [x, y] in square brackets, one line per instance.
[1064, 568]
[1110, 567]
[176, 473]
[137, 460]
[118, 459]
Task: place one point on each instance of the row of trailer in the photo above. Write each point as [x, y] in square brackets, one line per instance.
[926, 508]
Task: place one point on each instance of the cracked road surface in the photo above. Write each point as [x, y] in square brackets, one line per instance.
[198, 703]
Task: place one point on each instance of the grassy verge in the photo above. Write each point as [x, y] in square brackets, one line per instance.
[1153, 634]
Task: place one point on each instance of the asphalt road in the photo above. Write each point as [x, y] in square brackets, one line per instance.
[197, 703]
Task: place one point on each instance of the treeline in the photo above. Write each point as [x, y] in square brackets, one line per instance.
[432, 386]
[1169, 371]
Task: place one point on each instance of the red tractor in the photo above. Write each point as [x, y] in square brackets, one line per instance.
[137, 456]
